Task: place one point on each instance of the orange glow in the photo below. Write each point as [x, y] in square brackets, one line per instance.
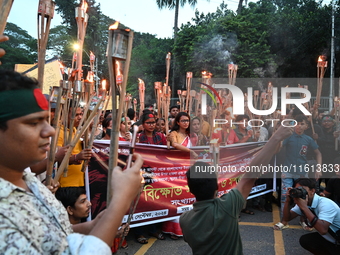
[89, 77]
[119, 75]
[206, 74]
[84, 6]
[103, 84]
[320, 59]
[114, 26]
[118, 68]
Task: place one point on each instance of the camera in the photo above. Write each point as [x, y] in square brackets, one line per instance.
[298, 192]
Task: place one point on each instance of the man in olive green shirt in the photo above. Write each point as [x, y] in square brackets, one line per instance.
[212, 226]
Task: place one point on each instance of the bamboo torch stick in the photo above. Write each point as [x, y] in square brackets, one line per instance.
[179, 93]
[74, 142]
[135, 104]
[158, 87]
[337, 109]
[45, 14]
[51, 154]
[119, 48]
[167, 62]
[5, 8]
[141, 89]
[188, 84]
[167, 94]
[192, 95]
[321, 68]
[81, 18]
[256, 98]
[93, 130]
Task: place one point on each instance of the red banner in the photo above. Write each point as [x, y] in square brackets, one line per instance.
[166, 194]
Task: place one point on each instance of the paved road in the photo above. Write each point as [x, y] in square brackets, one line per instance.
[257, 234]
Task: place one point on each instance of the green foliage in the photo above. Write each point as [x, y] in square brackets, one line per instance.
[147, 63]
[20, 49]
[269, 38]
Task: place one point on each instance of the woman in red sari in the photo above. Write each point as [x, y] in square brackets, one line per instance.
[181, 139]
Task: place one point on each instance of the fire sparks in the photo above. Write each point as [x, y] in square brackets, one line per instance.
[114, 26]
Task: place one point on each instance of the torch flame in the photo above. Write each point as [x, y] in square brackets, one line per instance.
[89, 77]
[84, 6]
[114, 26]
[103, 84]
[320, 59]
[118, 68]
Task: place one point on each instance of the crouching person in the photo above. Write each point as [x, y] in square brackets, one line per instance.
[320, 212]
[212, 226]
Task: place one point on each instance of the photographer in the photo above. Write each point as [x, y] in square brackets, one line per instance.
[320, 212]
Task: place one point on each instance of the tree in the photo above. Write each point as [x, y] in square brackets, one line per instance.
[21, 48]
[174, 4]
[147, 63]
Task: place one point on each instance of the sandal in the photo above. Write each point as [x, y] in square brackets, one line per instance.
[173, 237]
[280, 226]
[247, 211]
[142, 240]
[305, 227]
[159, 236]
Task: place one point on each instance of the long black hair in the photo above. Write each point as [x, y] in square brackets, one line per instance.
[178, 117]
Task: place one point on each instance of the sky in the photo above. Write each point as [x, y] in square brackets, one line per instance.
[140, 15]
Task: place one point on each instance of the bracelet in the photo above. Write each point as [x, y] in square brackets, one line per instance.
[311, 224]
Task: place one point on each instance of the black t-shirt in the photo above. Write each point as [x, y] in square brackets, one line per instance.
[333, 187]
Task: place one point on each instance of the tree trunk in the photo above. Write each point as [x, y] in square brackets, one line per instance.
[239, 8]
[174, 71]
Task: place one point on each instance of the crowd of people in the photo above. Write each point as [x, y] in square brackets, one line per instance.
[33, 221]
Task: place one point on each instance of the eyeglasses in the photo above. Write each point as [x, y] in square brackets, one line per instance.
[150, 123]
[184, 121]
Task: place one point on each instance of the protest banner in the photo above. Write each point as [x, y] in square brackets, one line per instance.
[166, 195]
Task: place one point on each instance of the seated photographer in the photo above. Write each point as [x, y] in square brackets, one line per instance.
[320, 212]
